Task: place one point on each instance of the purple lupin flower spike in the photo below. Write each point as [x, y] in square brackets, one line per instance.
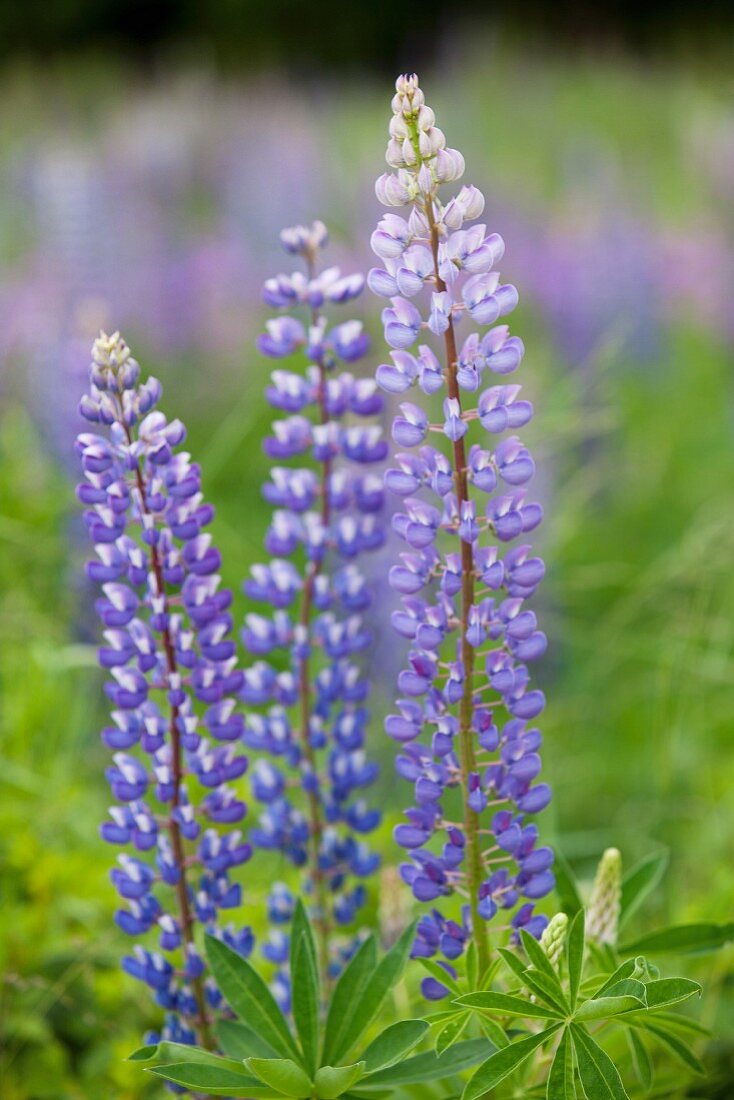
[470, 633]
[173, 669]
[327, 514]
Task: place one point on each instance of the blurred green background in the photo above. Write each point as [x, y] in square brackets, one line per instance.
[148, 157]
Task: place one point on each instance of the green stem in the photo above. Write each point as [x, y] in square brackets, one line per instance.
[467, 759]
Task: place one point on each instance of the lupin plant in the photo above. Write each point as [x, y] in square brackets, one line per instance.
[529, 1012]
[312, 767]
[173, 684]
[464, 494]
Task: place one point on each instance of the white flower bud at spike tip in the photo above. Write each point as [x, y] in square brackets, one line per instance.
[602, 918]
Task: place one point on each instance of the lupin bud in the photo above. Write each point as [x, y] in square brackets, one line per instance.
[602, 920]
[554, 938]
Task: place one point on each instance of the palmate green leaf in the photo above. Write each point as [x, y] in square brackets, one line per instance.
[682, 939]
[305, 995]
[540, 960]
[511, 960]
[575, 955]
[393, 1044]
[566, 886]
[534, 980]
[305, 998]
[681, 1023]
[628, 987]
[249, 997]
[641, 1060]
[237, 1040]
[281, 1075]
[213, 1082]
[437, 971]
[167, 1052]
[347, 993]
[379, 985]
[638, 883]
[599, 1076]
[505, 1004]
[451, 1032]
[504, 1062]
[628, 969]
[301, 927]
[603, 1008]
[427, 1067]
[543, 987]
[333, 1081]
[670, 991]
[675, 1044]
[560, 1084]
[493, 1031]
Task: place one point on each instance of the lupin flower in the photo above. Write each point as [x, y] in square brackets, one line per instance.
[312, 721]
[467, 711]
[173, 683]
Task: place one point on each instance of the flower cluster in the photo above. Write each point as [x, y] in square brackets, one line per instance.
[173, 685]
[311, 720]
[463, 599]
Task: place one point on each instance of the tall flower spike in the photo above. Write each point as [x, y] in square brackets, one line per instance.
[173, 681]
[463, 599]
[312, 719]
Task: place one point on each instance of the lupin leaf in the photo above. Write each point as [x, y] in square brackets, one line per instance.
[214, 1082]
[638, 883]
[675, 1044]
[641, 1060]
[237, 1040]
[682, 939]
[451, 1032]
[305, 997]
[670, 991]
[504, 1062]
[393, 1044]
[505, 1004]
[599, 1075]
[560, 1078]
[346, 995]
[281, 1075]
[378, 986]
[428, 1067]
[247, 994]
[575, 955]
[333, 1081]
[566, 885]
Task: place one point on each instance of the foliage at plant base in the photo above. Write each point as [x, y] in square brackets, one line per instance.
[324, 1055]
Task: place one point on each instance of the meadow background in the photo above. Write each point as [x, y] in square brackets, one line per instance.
[148, 198]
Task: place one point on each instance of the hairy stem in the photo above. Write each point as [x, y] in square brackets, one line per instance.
[473, 857]
[186, 917]
[316, 824]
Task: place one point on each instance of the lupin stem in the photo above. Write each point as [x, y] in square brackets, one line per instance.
[182, 889]
[316, 825]
[473, 858]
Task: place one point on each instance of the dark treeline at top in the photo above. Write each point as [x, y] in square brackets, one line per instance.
[374, 34]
